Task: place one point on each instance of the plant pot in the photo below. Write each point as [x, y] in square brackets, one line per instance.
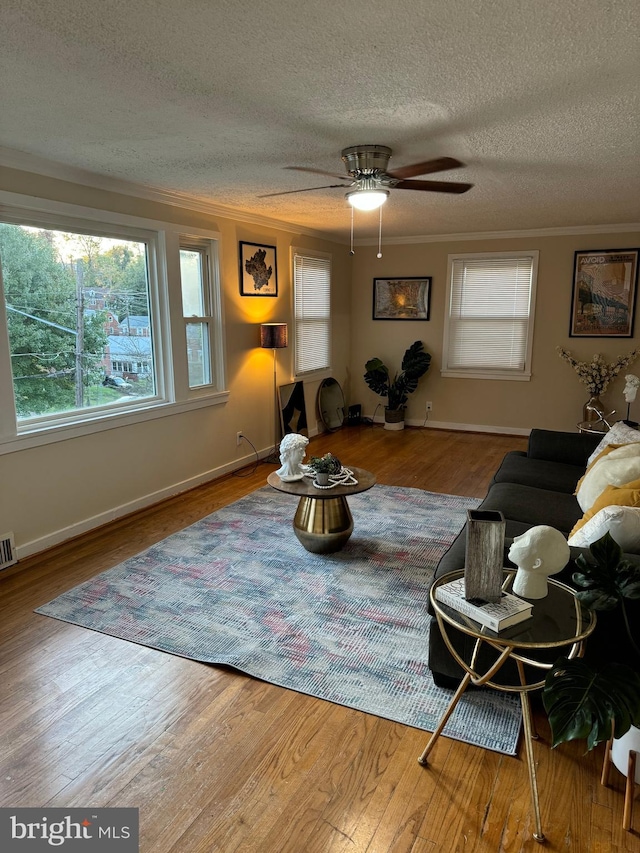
[322, 478]
[620, 749]
[393, 419]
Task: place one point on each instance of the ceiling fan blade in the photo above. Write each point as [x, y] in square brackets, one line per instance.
[306, 190]
[318, 172]
[426, 168]
[433, 186]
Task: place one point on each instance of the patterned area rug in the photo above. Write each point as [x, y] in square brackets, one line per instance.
[237, 588]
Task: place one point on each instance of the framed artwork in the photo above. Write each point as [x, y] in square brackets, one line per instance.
[401, 298]
[258, 270]
[605, 282]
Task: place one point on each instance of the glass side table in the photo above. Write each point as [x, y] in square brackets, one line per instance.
[558, 621]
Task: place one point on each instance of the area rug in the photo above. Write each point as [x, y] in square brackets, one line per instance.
[237, 588]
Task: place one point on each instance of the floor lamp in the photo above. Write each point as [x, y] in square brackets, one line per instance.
[274, 336]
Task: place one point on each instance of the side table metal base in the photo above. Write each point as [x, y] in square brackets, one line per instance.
[323, 526]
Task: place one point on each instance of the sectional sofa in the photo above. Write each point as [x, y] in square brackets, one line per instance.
[538, 487]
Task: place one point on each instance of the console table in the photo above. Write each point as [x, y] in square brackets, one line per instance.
[558, 620]
[323, 522]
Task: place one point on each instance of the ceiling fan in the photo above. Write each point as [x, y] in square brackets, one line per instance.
[371, 180]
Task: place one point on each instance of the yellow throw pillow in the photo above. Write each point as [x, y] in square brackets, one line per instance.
[625, 495]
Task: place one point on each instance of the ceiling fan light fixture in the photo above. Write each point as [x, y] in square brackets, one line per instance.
[367, 199]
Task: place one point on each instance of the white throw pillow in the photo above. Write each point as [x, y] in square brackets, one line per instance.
[620, 466]
[622, 522]
[620, 433]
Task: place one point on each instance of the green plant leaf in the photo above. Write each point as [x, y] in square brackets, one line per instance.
[377, 377]
[415, 362]
[605, 582]
[582, 702]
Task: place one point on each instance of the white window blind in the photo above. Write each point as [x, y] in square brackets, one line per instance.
[312, 310]
[490, 320]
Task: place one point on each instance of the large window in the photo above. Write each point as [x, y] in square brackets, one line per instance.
[312, 313]
[489, 327]
[90, 330]
[78, 318]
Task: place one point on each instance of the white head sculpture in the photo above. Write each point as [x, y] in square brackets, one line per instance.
[538, 553]
[292, 449]
[631, 387]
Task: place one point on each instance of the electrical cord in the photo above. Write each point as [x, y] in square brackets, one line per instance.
[255, 464]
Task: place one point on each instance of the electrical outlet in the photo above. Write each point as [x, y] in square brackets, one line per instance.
[429, 405]
[239, 437]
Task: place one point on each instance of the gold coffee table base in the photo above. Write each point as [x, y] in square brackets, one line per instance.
[323, 526]
[323, 522]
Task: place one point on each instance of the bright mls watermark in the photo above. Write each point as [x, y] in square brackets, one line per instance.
[31, 830]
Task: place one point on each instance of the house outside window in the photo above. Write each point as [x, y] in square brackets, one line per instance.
[85, 306]
[312, 312]
[489, 323]
[59, 347]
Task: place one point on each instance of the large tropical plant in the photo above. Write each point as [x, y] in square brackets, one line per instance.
[415, 364]
[594, 697]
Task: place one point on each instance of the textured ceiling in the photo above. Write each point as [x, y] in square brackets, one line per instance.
[213, 98]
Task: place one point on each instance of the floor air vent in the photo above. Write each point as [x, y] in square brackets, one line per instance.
[7, 551]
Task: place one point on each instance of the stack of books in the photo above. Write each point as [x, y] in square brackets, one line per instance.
[496, 615]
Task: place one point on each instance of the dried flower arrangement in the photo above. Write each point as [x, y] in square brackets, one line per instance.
[597, 373]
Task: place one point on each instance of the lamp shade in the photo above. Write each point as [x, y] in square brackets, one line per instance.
[273, 335]
[367, 199]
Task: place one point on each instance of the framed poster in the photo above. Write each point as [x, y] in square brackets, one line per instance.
[258, 270]
[401, 298]
[604, 293]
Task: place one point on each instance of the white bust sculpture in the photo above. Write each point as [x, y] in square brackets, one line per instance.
[292, 449]
[538, 553]
[631, 387]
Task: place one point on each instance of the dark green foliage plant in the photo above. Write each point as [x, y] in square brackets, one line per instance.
[327, 464]
[591, 699]
[415, 364]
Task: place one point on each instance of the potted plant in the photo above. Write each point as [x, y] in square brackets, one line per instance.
[324, 466]
[599, 695]
[415, 364]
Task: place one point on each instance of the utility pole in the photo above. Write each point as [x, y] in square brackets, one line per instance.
[80, 335]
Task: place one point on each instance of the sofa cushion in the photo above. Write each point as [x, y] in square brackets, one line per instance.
[556, 476]
[533, 506]
[621, 522]
[568, 448]
[612, 467]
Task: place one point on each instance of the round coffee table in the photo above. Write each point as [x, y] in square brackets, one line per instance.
[323, 522]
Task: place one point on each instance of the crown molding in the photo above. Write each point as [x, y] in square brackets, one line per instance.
[12, 159]
[563, 231]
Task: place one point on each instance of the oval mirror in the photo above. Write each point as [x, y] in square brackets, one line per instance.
[331, 404]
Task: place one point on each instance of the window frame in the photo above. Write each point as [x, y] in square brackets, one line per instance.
[325, 370]
[212, 313]
[172, 393]
[500, 373]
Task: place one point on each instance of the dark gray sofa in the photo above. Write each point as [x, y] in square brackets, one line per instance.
[536, 487]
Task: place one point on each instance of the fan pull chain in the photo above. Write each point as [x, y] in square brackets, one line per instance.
[351, 252]
[380, 235]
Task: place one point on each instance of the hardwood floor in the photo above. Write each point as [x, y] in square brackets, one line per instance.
[217, 761]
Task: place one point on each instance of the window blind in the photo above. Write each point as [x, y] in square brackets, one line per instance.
[312, 310]
[490, 313]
